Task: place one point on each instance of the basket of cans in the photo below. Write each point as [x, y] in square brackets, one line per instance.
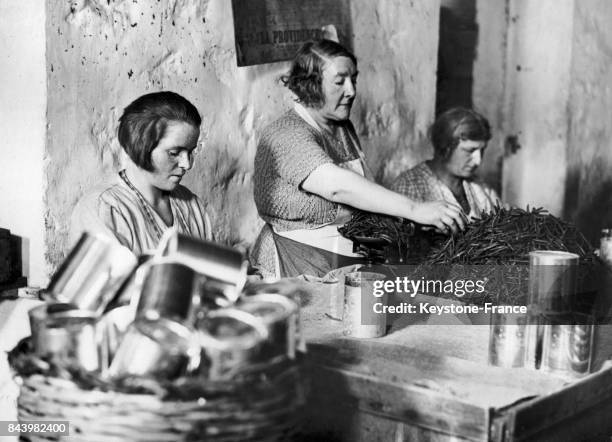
[162, 348]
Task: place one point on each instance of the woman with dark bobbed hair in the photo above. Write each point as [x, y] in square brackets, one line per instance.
[310, 172]
[159, 133]
[459, 137]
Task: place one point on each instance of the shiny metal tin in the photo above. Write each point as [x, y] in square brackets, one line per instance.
[280, 316]
[168, 292]
[567, 349]
[231, 343]
[68, 337]
[92, 273]
[552, 279]
[112, 328]
[224, 266]
[359, 319]
[161, 349]
[508, 340]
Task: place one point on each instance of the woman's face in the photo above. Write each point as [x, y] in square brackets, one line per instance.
[466, 158]
[172, 157]
[339, 84]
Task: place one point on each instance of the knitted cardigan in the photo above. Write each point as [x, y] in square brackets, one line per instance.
[289, 150]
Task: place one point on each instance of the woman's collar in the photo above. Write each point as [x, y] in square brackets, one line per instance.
[303, 112]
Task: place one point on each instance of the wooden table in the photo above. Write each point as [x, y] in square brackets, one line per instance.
[430, 382]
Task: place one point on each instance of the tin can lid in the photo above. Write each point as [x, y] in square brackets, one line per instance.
[269, 307]
[166, 332]
[355, 279]
[231, 328]
[552, 257]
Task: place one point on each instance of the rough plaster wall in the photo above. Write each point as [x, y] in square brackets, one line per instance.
[589, 193]
[104, 53]
[488, 86]
[396, 43]
[22, 125]
[536, 103]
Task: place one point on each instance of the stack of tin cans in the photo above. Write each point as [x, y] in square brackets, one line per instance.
[186, 315]
[556, 335]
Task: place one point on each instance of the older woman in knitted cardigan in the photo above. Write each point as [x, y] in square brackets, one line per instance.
[310, 172]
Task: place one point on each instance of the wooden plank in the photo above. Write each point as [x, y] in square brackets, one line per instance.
[483, 386]
[412, 404]
[450, 361]
[588, 400]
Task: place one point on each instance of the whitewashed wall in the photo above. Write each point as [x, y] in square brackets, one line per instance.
[102, 54]
[544, 74]
[588, 197]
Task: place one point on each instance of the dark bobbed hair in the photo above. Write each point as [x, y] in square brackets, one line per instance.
[144, 123]
[455, 125]
[306, 72]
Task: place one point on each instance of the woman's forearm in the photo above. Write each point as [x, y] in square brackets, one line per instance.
[346, 187]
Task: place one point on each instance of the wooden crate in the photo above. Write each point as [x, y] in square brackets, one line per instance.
[427, 382]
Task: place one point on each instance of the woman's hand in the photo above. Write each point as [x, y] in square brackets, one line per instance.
[441, 214]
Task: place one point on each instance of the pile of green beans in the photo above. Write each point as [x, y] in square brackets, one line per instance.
[394, 231]
[506, 236]
[497, 246]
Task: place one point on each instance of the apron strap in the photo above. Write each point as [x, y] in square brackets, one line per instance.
[367, 172]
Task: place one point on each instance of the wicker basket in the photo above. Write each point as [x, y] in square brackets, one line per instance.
[267, 408]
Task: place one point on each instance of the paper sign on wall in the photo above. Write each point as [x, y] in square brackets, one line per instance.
[273, 30]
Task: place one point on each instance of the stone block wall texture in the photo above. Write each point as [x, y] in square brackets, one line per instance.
[101, 54]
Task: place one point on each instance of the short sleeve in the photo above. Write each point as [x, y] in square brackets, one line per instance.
[295, 153]
[94, 215]
[407, 185]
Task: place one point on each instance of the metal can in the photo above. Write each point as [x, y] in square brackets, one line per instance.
[552, 295]
[552, 279]
[68, 337]
[567, 348]
[507, 340]
[225, 266]
[112, 327]
[168, 292]
[231, 343]
[359, 318]
[92, 273]
[161, 349]
[280, 316]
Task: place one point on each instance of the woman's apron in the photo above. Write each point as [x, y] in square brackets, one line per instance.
[319, 250]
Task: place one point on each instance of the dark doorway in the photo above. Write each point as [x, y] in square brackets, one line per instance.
[456, 53]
